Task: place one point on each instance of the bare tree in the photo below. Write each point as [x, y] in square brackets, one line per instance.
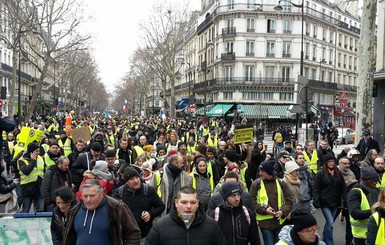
[366, 67]
[163, 36]
[17, 22]
[55, 26]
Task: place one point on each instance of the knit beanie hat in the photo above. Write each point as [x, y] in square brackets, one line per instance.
[96, 146]
[368, 172]
[202, 149]
[302, 221]
[130, 172]
[267, 166]
[148, 148]
[231, 155]
[32, 147]
[100, 165]
[291, 166]
[230, 188]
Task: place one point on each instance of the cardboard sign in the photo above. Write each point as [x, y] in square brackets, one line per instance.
[243, 135]
[26, 136]
[81, 133]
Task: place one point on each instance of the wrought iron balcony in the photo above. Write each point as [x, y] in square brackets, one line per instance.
[228, 56]
[227, 31]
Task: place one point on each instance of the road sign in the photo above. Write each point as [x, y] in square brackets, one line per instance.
[1, 103]
[306, 94]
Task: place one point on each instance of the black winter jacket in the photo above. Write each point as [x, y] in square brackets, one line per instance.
[217, 198]
[81, 165]
[138, 202]
[58, 224]
[373, 228]
[235, 227]
[53, 179]
[170, 230]
[354, 201]
[329, 190]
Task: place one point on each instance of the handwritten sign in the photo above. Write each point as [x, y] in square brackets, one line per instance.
[81, 133]
[243, 135]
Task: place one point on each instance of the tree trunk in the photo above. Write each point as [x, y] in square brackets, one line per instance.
[37, 92]
[366, 68]
[172, 99]
[11, 100]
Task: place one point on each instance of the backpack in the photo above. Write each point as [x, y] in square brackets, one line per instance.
[247, 214]
[121, 189]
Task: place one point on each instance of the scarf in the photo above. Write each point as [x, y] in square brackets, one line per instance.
[174, 170]
[293, 180]
[331, 172]
[102, 175]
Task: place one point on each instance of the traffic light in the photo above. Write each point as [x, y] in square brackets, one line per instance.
[3, 93]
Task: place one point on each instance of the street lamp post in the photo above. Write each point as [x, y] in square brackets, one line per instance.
[19, 92]
[279, 7]
[209, 43]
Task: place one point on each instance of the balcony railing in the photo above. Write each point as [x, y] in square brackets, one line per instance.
[228, 56]
[244, 81]
[285, 55]
[249, 54]
[270, 55]
[250, 30]
[229, 31]
[322, 85]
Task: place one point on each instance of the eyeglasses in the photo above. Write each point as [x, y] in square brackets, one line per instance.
[311, 231]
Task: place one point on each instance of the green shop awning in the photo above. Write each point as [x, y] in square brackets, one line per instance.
[219, 110]
[201, 110]
[261, 111]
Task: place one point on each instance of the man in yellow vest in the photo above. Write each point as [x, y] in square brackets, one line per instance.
[273, 201]
[311, 156]
[52, 155]
[213, 139]
[360, 200]
[31, 167]
[379, 166]
[66, 143]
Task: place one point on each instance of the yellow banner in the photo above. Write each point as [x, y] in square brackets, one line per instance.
[243, 135]
[26, 136]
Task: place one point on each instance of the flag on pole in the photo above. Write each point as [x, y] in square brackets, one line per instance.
[125, 105]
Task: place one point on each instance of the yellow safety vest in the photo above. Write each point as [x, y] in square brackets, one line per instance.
[280, 242]
[380, 238]
[360, 227]
[194, 181]
[157, 183]
[66, 146]
[205, 131]
[313, 162]
[211, 143]
[45, 147]
[48, 161]
[263, 199]
[37, 171]
[139, 150]
[382, 183]
[191, 149]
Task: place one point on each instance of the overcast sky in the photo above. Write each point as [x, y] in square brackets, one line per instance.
[115, 28]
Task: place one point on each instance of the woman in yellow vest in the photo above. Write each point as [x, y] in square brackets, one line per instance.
[202, 181]
[376, 225]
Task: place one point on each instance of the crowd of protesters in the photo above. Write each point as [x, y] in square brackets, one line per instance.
[156, 180]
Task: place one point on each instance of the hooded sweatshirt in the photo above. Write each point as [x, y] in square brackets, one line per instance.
[91, 226]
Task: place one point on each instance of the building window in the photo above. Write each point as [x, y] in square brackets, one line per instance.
[270, 49]
[249, 73]
[250, 48]
[250, 4]
[285, 73]
[231, 4]
[230, 23]
[307, 51]
[315, 31]
[307, 28]
[251, 96]
[313, 74]
[228, 73]
[287, 26]
[314, 52]
[250, 25]
[330, 77]
[286, 50]
[270, 26]
[227, 95]
[229, 47]
[215, 96]
[267, 96]
[331, 36]
[270, 71]
[286, 96]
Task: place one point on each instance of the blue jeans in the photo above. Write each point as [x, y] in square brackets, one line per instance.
[329, 214]
[27, 203]
[270, 237]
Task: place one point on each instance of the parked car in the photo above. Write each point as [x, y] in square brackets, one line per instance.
[345, 136]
